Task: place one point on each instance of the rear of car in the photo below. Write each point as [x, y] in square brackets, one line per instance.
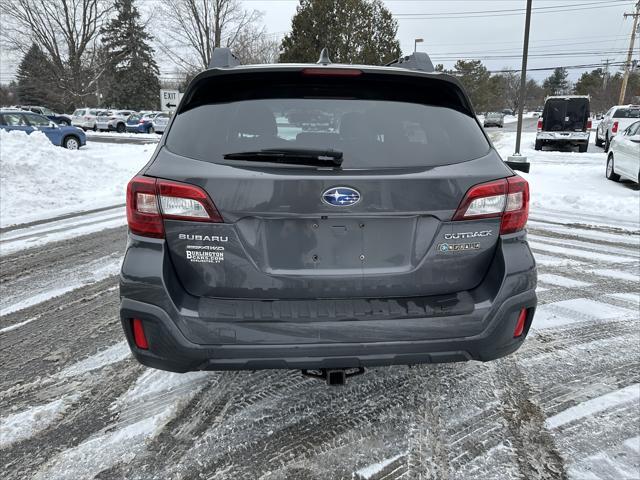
[565, 122]
[141, 122]
[318, 217]
[113, 121]
[623, 160]
[494, 119]
[160, 122]
[616, 120]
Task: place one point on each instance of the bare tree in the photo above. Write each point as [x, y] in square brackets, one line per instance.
[193, 27]
[67, 30]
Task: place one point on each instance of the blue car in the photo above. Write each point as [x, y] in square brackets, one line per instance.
[141, 122]
[67, 137]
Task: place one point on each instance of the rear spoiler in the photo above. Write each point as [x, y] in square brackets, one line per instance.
[224, 58]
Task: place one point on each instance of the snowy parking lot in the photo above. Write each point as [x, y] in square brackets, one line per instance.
[75, 405]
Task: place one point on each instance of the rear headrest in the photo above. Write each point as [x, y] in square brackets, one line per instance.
[255, 120]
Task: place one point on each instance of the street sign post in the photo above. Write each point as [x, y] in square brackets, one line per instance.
[169, 100]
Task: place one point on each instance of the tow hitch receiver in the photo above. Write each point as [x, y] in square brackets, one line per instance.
[334, 376]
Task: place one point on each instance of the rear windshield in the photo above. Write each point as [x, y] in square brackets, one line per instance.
[77, 113]
[627, 113]
[374, 128]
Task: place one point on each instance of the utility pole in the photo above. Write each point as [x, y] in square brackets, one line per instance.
[517, 161]
[627, 65]
[605, 79]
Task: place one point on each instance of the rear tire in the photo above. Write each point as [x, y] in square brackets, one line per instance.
[95, 128]
[610, 173]
[71, 143]
[607, 143]
[599, 143]
[120, 128]
[538, 145]
[151, 130]
[583, 147]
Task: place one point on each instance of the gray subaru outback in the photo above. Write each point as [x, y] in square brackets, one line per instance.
[325, 217]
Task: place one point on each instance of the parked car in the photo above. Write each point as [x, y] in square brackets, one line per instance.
[59, 118]
[494, 119]
[623, 160]
[85, 118]
[160, 122]
[616, 120]
[507, 111]
[141, 122]
[113, 120]
[565, 121]
[253, 247]
[60, 135]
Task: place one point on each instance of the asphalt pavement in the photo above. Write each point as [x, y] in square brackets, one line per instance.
[75, 404]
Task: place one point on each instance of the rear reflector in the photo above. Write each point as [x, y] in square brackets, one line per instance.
[150, 200]
[138, 334]
[520, 325]
[507, 198]
[331, 72]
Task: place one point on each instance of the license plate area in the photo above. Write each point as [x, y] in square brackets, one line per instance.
[338, 245]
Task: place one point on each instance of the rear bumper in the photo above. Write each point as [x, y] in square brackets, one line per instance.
[180, 330]
[574, 138]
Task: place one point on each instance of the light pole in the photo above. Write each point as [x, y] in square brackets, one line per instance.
[416, 42]
[517, 161]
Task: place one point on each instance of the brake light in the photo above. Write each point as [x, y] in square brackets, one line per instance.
[331, 72]
[589, 123]
[614, 127]
[139, 337]
[539, 124]
[150, 200]
[141, 121]
[507, 199]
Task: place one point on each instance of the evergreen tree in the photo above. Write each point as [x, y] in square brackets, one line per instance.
[130, 77]
[476, 80]
[557, 83]
[35, 79]
[353, 31]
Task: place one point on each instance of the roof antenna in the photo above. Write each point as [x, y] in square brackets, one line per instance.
[324, 57]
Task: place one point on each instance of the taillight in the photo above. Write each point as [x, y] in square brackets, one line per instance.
[539, 124]
[589, 123]
[141, 121]
[506, 198]
[614, 127]
[149, 200]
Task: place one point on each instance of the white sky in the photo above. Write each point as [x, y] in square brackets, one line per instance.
[579, 31]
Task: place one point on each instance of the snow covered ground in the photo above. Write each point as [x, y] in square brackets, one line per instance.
[570, 187]
[39, 180]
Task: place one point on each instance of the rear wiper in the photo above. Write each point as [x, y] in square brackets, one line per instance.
[299, 156]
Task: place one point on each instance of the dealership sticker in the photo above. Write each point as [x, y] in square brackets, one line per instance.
[205, 253]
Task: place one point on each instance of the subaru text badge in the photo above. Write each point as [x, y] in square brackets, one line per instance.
[341, 196]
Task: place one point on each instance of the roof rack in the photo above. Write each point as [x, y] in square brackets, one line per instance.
[415, 61]
[223, 58]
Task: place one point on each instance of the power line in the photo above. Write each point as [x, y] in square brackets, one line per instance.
[518, 10]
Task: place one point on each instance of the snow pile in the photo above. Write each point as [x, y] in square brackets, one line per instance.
[39, 180]
[571, 187]
[27, 423]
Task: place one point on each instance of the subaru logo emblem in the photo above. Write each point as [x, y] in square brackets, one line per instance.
[341, 196]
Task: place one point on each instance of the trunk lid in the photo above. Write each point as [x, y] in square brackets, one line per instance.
[389, 231]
